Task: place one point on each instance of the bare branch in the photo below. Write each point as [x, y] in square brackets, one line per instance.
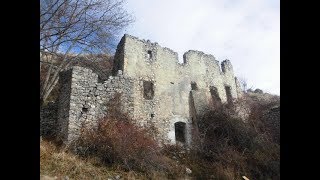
[76, 26]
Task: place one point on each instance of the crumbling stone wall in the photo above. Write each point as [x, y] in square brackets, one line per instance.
[83, 99]
[65, 79]
[172, 82]
[172, 98]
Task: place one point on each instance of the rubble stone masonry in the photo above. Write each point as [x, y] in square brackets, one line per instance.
[156, 90]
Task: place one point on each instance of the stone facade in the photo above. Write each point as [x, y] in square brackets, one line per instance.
[156, 90]
[83, 100]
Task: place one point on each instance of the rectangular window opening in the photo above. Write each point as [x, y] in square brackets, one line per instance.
[148, 90]
[180, 130]
[84, 109]
[215, 96]
[149, 54]
[228, 93]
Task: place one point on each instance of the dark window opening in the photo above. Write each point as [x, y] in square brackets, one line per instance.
[152, 115]
[149, 54]
[148, 90]
[228, 93]
[194, 86]
[214, 94]
[180, 128]
[171, 82]
[84, 109]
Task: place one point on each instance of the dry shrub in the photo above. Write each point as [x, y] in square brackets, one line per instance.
[229, 148]
[265, 116]
[100, 64]
[266, 120]
[201, 167]
[117, 142]
[121, 143]
[219, 131]
[55, 161]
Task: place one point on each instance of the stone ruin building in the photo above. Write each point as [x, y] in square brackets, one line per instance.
[156, 90]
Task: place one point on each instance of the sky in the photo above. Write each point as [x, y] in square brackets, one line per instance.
[247, 32]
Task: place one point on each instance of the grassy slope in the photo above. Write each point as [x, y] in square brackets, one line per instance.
[54, 162]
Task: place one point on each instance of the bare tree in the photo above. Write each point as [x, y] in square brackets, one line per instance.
[243, 83]
[69, 28]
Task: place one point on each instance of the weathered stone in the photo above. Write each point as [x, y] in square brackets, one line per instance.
[175, 94]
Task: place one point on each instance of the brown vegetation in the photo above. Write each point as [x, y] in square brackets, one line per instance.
[117, 142]
[227, 148]
[60, 163]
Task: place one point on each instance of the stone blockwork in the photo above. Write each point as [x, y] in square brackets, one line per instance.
[83, 100]
[48, 120]
[156, 89]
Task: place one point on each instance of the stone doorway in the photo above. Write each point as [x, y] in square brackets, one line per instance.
[180, 132]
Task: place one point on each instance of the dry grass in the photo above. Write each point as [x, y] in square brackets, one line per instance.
[59, 163]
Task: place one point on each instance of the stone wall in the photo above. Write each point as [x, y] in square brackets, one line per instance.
[65, 80]
[157, 90]
[88, 99]
[146, 61]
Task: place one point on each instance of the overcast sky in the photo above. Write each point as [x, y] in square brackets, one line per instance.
[247, 32]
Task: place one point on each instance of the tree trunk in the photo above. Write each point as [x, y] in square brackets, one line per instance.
[48, 91]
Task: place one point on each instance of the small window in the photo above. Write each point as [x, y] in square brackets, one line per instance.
[228, 93]
[84, 110]
[149, 54]
[152, 115]
[194, 86]
[148, 90]
[214, 94]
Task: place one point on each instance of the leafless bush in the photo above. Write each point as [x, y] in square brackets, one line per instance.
[265, 117]
[118, 142]
[236, 147]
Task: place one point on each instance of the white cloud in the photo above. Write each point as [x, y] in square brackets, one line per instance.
[245, 31]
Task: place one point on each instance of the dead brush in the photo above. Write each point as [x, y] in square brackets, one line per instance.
[116, 141]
